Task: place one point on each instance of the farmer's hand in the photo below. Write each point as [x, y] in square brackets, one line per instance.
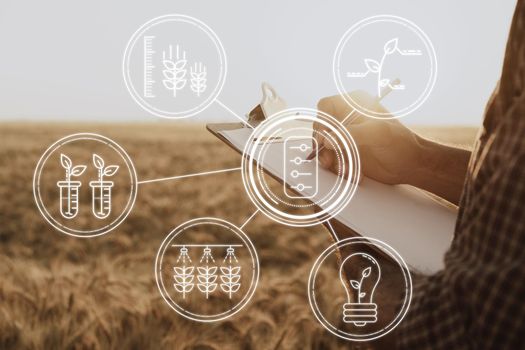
[389, 151]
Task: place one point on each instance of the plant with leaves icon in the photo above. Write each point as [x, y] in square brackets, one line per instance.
[230, 277]
[174, 70]
[207, 279]
[377, 67]
[183, 279]
[101, 190]
[110, 170]
[71, 170]
[357, 284]
[373, 66]
[198, 78]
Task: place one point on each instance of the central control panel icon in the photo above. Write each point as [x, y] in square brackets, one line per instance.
[300, 174]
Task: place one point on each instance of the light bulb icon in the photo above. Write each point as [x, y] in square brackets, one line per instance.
[360, 308]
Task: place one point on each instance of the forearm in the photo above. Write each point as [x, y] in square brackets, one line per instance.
[441, 170]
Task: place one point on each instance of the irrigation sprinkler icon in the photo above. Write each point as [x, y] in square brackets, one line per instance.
[101, 190]
[68, 188]
[207, 273]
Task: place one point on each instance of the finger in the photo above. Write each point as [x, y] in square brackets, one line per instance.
[365, 101]
[329, 159]
[326, 158]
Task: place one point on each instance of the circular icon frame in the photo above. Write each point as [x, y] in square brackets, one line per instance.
[338, 76]
[85, 233]
[181, 310]
[251, 174]
[148, 107]
[377, 245]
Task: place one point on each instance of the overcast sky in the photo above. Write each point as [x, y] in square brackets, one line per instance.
[62, 59]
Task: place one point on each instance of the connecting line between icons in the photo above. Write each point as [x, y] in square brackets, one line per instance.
[249, 219]
[332, 230]
[349, 117]
[189, 175]
[233, 113]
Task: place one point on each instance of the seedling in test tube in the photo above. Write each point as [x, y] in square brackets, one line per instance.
[68, 188]
[101, 190]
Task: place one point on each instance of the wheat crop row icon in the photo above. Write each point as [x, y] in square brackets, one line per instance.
[175, 72]
[207, 279]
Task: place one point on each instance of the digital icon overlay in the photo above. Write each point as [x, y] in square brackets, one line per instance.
[376, 52]
[357, 313]
[294, 165]
[174, 66]
[85, 185]
[207, 269]
[360, 308]
[207, 279]
[280, 148]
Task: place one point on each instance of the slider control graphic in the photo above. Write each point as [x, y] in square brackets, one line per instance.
[303, 174]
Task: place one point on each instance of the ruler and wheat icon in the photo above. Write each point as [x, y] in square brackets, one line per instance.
[176, 72]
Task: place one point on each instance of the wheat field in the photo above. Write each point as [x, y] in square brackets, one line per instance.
[61, 292]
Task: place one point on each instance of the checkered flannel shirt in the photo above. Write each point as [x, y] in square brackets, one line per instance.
[478, 300]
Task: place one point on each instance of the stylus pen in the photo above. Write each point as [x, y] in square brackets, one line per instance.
[350, 117]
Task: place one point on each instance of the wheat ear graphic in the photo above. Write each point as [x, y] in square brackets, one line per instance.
[198, 78]
[207, 279]
[183, 279]
[230, 277]
[175, 70]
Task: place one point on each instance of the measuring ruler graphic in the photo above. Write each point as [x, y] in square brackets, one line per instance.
[148, 66]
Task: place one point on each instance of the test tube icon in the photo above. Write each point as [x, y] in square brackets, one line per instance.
[101, 198]
[101, 191]
[69, 189]
[69, 198]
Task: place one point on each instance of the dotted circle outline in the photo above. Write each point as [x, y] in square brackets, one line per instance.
[433, 67]
[384, 247]
[255, 269]
[343, 199]
[82, 233]
[180, 114]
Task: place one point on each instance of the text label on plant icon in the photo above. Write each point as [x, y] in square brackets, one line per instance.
[377, 53]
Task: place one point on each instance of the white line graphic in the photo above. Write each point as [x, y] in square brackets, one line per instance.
[148, 66]
[233, 113]
[249, 219]
[189, 175]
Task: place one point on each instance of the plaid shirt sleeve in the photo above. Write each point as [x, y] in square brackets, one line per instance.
[478, 300]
